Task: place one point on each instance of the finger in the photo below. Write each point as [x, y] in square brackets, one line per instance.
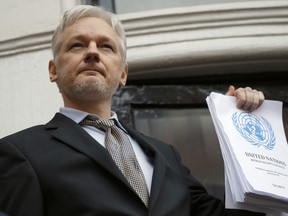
[241, 97]
[231, 91]
[256, 101]
[249, 99]
[261, 98]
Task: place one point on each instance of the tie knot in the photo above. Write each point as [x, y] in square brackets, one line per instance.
[96, 122]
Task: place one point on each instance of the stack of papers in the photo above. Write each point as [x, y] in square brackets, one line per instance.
[255, 154]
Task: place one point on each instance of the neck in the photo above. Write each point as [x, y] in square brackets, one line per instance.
[101, 109]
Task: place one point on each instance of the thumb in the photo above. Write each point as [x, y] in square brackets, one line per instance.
[231, 91]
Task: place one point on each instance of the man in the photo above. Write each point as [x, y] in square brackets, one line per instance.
[65, 167]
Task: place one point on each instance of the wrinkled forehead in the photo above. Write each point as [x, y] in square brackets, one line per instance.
[90, 26]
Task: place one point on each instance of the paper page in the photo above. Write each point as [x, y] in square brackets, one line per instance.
[258, 142]
[255, 153]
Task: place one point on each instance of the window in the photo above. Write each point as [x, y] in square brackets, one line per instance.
[176, 113]
[107, 4]
[191, 132]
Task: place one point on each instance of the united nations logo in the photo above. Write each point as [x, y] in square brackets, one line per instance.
[255, 129]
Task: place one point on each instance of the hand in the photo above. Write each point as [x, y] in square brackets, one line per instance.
[247, 99]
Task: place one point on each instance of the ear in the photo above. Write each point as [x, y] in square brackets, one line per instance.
[52, 70]
[124, 75]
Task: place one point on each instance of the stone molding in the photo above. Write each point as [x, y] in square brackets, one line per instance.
[210, 39]
[192, 41]
[28, 43]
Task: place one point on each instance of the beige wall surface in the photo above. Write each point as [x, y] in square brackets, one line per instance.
[25, 17]
[27, 96]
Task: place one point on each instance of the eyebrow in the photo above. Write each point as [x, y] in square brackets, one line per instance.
[103, 38]
[84, 36]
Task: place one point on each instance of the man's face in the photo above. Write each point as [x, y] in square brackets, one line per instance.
[89, 66]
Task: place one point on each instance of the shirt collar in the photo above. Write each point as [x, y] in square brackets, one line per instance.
[78, 115]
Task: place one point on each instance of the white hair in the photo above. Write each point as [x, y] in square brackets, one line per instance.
[81, 11]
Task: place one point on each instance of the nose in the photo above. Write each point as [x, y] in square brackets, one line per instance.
[92, 54]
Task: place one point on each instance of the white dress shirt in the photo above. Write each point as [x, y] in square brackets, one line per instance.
[99, 136]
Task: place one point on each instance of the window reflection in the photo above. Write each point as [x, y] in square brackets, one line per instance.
[192, 133]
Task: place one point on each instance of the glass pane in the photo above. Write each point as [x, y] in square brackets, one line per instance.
[192, 133]
[140, 5]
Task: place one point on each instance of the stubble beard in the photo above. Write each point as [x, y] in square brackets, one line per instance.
[87, 90]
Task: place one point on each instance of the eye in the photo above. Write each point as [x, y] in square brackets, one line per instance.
[76, 45]
[107, 46]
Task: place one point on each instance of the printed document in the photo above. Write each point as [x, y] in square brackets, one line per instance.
[255, 154]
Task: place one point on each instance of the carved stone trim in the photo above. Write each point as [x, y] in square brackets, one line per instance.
[26, 43]
[210, 39]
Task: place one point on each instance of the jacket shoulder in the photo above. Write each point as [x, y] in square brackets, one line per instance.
[23, 133]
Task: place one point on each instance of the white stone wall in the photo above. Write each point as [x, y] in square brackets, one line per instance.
[27, 97]
[26, 17]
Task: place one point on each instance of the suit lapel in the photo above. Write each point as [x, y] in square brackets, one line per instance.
[73, 135]
[159, 163]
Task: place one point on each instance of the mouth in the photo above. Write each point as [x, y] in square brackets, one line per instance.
[91, 71]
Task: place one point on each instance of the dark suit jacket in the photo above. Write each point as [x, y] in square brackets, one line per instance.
[58, 169]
